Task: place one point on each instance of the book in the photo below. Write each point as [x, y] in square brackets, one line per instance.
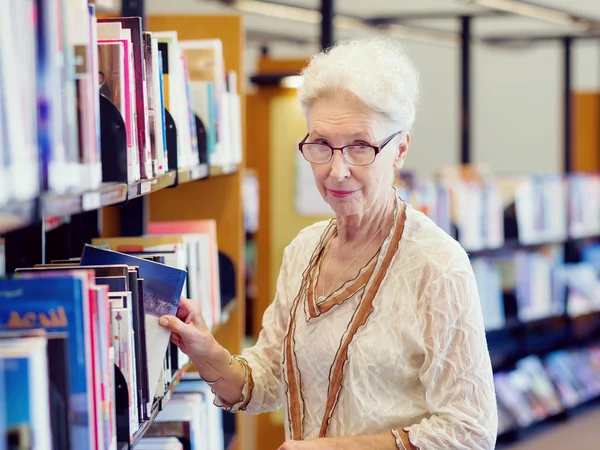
[18, 84]
[26, 391]
[158, 166]
[124, 89]
[79, 37]
[134, 24]
[159, 107]
[204, 232]
[162, 286]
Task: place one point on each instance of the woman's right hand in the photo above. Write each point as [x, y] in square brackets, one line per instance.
[189, 331]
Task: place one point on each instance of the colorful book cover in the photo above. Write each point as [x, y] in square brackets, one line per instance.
[57, 302]
[163, 286]
[120, 94]
[145, 155]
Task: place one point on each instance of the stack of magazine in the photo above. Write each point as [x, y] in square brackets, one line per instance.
[82, 357]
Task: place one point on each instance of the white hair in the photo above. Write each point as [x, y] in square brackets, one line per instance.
[377, 71]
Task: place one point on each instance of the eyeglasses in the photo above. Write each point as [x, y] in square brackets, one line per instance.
[356, 155]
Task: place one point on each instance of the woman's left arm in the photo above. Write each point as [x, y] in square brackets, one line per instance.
[457, 372]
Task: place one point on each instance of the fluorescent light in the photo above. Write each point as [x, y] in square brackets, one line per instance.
[291, 82]
[279, 11]
[343, 22]
[415, 34]
[536, 12]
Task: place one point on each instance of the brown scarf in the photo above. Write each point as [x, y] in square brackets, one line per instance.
[371, 279]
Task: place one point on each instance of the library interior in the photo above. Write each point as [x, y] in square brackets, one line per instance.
[164, 163]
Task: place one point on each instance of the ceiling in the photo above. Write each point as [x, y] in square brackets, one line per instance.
[277, 32]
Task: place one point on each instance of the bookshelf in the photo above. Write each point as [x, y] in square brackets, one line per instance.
[56, 225]
[205, 192]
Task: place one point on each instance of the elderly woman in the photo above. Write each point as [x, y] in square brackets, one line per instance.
[375, 339]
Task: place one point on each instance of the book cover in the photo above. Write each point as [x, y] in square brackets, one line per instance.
[145, 155]
[163, 287]
[57, 302]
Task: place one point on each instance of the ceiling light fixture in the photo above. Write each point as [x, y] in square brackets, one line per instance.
[538, 12]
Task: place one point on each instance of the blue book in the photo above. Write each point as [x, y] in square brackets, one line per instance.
[162, 106]
[26, 390]
[16, 392]
[58, 304]
[2, 408]
[163, 286]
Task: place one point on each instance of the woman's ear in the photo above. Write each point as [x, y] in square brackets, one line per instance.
[402, 151]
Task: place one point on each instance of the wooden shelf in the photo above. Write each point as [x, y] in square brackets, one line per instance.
[144, 187]
[78, 202]
[228, 169]
[158, 406]
[193, 173]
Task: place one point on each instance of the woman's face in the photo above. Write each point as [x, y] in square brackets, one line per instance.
[351, 189]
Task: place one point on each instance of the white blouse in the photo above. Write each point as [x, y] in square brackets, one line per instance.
[402, 346]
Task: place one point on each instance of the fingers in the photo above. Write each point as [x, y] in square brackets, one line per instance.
[175, 339]
[175, 325]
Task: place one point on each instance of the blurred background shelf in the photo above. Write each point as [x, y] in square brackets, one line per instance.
[228, 169]
[17, 215]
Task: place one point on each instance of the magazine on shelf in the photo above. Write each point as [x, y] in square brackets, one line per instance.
[163, 286]
[58, 302]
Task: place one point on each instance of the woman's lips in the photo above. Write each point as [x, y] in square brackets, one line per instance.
[340, 194]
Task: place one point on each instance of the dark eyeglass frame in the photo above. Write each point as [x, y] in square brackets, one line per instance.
[377, 149]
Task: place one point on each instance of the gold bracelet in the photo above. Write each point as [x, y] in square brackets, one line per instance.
[218, 380]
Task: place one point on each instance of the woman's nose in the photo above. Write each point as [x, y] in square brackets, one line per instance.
[339, 167]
